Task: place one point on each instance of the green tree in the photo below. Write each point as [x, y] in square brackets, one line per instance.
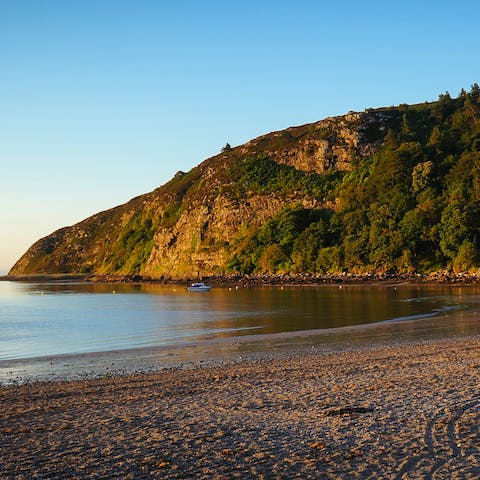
[272, 259]
[421, 175]
[307, 245]
[453, 230]
[329, 260]
[466, 258]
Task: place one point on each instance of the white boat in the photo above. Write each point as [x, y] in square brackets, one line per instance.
[199, 287]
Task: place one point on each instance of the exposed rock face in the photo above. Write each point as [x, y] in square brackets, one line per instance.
[186, 226]
[328, 144]
[199, 240]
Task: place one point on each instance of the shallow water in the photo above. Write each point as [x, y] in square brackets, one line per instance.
[41, 319]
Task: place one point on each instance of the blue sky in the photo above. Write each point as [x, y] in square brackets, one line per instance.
[104, 100]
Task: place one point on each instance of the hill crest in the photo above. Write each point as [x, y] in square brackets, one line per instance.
[366, 191]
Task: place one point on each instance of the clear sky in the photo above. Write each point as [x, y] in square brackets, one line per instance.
[102, 100]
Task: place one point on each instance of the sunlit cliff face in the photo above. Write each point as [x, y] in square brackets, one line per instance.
[386, 190]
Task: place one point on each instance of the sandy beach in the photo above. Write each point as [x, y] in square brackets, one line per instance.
[394, 412]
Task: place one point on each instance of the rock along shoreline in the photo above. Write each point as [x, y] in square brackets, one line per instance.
[440, 277]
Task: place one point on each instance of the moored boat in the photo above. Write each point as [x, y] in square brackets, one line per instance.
[199, 287]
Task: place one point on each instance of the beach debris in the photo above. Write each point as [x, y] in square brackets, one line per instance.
[347, 411]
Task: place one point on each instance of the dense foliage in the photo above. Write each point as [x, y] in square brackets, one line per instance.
[413, 206]
[132, 248]
[261, 175]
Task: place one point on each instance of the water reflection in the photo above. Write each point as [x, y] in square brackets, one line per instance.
[39, 319]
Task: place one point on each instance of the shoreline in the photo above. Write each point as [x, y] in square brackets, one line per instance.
[434, 278]
[209, 348]
[395, 411]
[234, 349]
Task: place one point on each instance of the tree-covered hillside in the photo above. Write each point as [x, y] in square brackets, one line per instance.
[386, 190]
[412, 206]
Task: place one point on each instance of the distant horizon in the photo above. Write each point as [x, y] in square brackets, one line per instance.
[106, 101]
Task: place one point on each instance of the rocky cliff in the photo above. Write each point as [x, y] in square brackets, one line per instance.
[198, 221]
[187, 225]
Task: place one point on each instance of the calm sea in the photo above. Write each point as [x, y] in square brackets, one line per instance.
[38, 319]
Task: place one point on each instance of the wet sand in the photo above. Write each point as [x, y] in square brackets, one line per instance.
[227, 349]
[402, 411]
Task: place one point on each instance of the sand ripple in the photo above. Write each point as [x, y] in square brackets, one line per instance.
[409, 412]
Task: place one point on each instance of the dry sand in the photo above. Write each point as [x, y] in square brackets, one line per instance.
[386, 412]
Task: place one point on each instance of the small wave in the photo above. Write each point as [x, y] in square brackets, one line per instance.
[434, 313]
[425, 299]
